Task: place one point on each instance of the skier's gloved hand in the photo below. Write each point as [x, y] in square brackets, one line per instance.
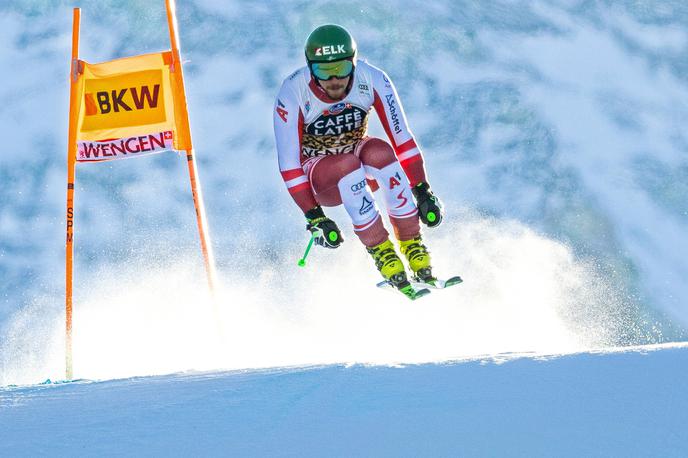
[429, 206]
[325, 231]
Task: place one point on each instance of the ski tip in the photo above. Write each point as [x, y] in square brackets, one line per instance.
[453, 281]
[437, 283]
[414, 293]
[420, 293]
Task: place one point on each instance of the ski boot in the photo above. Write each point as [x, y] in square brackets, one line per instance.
[390, 266]
[419, 260]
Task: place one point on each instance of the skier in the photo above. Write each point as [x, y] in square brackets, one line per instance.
[327, 159]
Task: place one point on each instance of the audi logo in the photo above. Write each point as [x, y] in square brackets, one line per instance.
[358, 186]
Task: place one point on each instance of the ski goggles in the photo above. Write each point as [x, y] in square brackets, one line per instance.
[327, 70]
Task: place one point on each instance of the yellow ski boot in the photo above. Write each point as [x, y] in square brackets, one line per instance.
[419, 260]
[390, 266]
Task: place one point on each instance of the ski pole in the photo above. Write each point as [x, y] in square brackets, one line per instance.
[302, 261]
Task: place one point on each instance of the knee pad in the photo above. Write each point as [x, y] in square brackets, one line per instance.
[357, 199]
[377, 153]
[396, 189]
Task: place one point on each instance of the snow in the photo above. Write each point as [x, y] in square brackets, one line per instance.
[521, 293]
[625, 402]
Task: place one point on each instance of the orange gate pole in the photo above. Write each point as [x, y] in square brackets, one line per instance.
[71, 178]
[191, 160]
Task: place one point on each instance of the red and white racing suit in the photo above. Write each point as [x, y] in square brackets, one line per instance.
[325, 156]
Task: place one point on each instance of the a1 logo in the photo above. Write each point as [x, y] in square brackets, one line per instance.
[394, 181]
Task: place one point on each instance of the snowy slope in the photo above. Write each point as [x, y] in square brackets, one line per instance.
[523, 293]
[622, 403]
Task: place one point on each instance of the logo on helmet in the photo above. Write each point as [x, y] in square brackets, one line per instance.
[329, 50]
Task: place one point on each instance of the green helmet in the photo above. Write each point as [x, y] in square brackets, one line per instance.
[330, 42]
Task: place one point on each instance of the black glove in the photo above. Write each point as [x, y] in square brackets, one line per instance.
[325, 231]
[429, 207]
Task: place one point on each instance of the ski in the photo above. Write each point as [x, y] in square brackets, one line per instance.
[414, 293]
[438, 284]
[411, 291]
[421, 288]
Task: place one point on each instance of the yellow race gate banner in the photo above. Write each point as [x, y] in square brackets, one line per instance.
[127, 108]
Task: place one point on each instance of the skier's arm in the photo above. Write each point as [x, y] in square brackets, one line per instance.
[393, 119]
[288, 121]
